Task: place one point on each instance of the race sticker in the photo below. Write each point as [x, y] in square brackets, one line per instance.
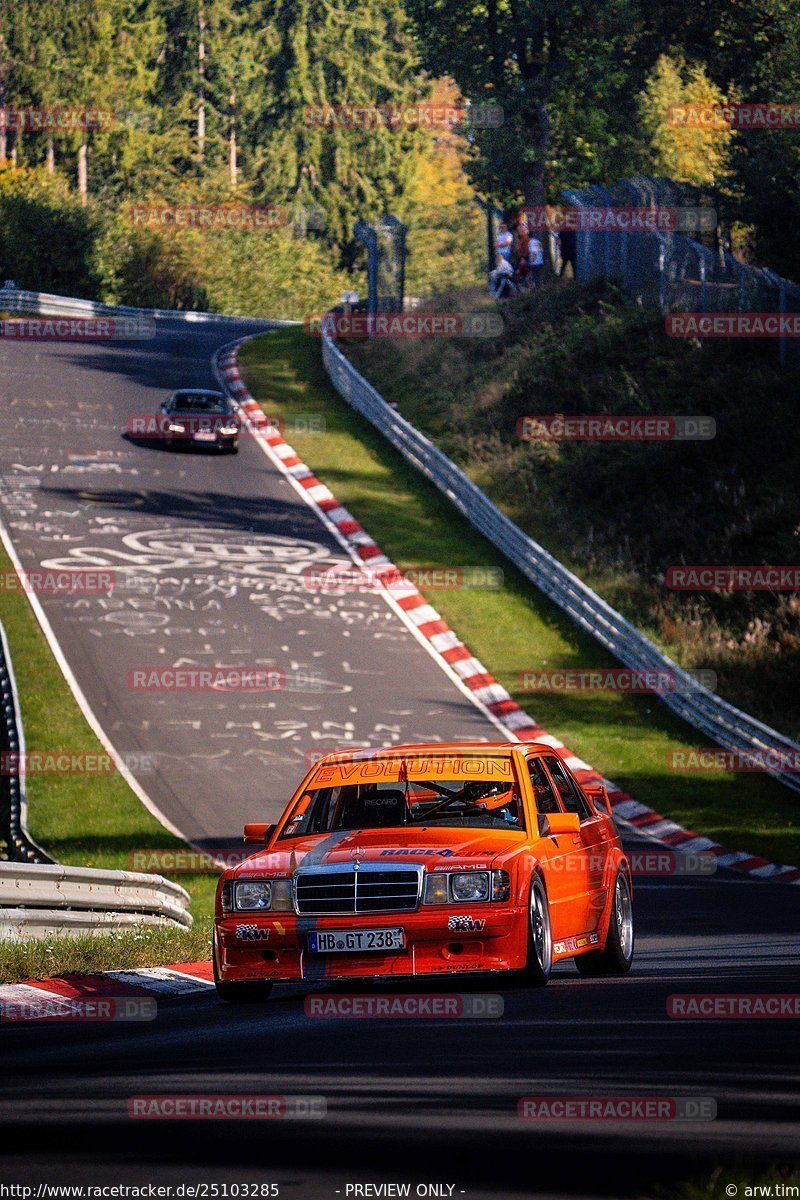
[466, 923]
[401, 770]
[569, 945]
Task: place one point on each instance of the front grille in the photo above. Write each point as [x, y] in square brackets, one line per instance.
[330, 891]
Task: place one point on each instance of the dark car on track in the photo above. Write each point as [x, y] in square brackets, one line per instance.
[199, 417]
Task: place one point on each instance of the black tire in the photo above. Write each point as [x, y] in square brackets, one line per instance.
[539, 964]
[617, 956]
[241, 992]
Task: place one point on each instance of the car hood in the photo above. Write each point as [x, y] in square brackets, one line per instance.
[435, 848]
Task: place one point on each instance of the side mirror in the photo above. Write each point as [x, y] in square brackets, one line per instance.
[543, 823]
[258, 834]
[598, 796]
[563, 823]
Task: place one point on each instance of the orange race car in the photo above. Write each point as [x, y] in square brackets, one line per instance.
[428, 860]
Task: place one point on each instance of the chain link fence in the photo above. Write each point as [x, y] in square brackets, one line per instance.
[669, 268]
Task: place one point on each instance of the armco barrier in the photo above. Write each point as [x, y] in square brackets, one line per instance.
[21, 847]
[38, 899]
[14, 300]
[716, 718]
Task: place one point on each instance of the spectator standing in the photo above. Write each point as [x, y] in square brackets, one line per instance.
[522, 240]
[535, 259]
[504, 242]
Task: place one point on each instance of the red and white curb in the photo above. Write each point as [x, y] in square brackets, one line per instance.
[423, 619]
[41, 995]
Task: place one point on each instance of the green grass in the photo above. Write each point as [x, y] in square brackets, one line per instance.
[620, 514]
[146, 947]
[83, 820]
[515, 628]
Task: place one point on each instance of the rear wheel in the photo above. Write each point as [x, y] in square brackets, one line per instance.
[539, 965]
[240, 992]
[617, 956]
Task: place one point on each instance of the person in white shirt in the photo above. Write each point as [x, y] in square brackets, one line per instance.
[504, 241]
[535, 259]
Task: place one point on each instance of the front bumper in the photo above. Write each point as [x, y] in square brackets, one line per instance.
[431, 947]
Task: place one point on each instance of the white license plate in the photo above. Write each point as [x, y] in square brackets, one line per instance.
[334, 941]
[204, 435]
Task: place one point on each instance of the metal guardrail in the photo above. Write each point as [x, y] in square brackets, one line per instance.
[21, 846]
[25, 924]
[720, 721]
[15, 300]
[88, 898]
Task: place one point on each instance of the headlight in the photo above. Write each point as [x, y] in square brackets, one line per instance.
[229, 429]
[252, 896]
[259, 895]
[175, 427]
[471, 886]
[436, 891]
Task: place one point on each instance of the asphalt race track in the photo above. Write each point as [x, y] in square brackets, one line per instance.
[208, 554]
[421, 1101]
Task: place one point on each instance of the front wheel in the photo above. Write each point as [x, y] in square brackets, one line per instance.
[617, 956]
[539, 964]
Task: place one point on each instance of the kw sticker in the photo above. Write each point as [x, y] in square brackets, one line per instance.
[466, 923]
[251, 933]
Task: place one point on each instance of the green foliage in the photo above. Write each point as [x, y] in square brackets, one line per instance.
[620, 514]
[46, 236]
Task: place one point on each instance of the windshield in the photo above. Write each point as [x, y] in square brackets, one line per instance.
[197, 402]
[459, 803]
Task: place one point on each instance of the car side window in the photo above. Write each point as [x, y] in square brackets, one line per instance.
[544, 794]
[571, 796]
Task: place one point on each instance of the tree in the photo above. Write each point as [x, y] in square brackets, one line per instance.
[689, 153]
[519, 54]
[315, 152]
